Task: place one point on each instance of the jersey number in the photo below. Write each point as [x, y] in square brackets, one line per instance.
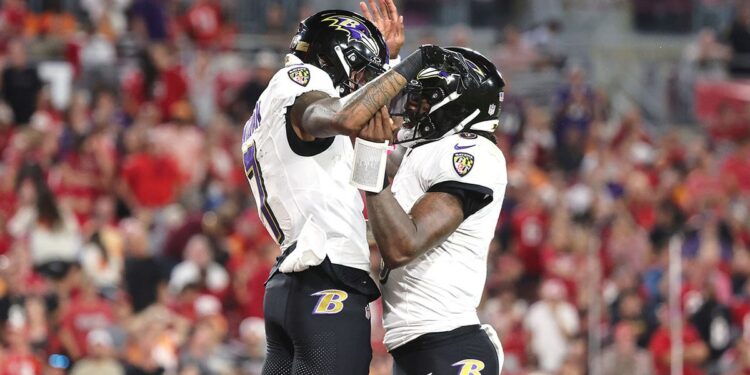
[248, 157]
[253, 172]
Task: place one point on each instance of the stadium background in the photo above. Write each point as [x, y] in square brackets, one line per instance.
[128, 243]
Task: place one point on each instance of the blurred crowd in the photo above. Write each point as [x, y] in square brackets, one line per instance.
[129, 243]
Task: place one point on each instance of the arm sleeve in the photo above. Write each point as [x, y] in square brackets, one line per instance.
[472, 173]
[473, 197]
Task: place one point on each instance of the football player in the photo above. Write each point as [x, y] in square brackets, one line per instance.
[434, 224]
[297, 156]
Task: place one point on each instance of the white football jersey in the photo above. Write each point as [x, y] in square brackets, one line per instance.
[441, 289]
[294, 180]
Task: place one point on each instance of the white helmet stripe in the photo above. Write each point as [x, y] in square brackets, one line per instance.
[453, 96]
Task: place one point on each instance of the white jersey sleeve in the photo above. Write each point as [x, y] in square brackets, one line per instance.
[296, 79]
[469, 166]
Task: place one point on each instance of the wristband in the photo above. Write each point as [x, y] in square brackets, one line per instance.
[394, 61]
[368, 167]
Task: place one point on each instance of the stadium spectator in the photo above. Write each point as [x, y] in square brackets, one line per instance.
[193, 141]
[546, 39]
[266, 65]
[153, 15]
[13, 14]
[738, 38]
[506, 314]
[706, 56]
[712, 320]
[101, 359]
[154, 336]
[37, 324]
[201, 354]
[151, 176]
[203, 23]
[552, 323]
[83, 314]
[169, 89]
[251, 269]
[624, 356]
[19, 357]
[20, 83]
[142, 272]
[199, 269]
[695, 350]
[515, 54]
[575, 108]
[50, 231]
[253, 341]
[529, 224]
[86, 172]
[202, 75]
[102, 256]
[629, 310]
[98, 58]
[109, 15]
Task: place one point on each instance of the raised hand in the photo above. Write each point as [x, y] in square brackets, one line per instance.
[387, 20]
[380, 128]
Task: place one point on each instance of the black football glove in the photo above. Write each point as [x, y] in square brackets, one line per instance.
[450, 61]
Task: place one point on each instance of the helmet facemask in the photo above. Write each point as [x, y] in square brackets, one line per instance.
[419, 99]
[351, 69]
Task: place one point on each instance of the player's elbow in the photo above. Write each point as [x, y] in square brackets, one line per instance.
[393, 262]
[398, 255]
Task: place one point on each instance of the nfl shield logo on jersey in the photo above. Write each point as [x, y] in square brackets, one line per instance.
[300, 75]
[462, 163]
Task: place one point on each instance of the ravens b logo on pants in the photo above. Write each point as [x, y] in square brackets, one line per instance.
[470, 367]
[331, 301]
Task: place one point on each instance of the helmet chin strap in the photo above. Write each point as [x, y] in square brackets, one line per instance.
[485, 126]
[461, 125]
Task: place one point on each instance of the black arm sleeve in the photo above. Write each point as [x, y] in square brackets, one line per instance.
[473, 197]
[410, 66]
